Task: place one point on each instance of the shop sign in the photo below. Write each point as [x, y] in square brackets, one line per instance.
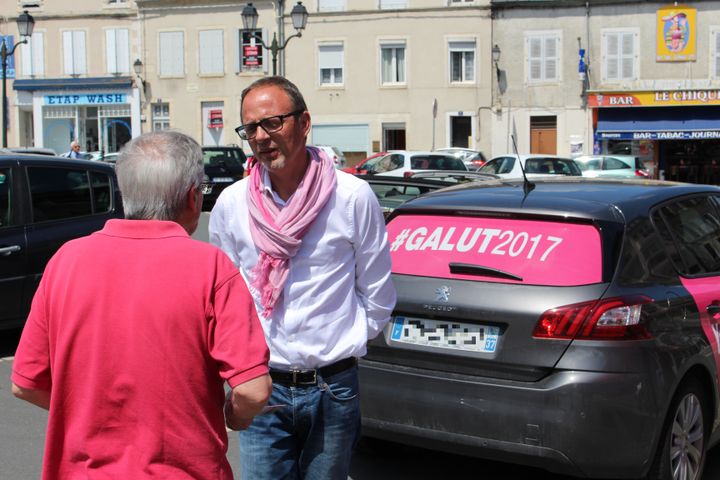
[86, 99]
[676, 34]
[215, 119]
[660, 98]
[668, 135]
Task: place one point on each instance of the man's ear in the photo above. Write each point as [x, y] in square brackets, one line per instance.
[305, 122]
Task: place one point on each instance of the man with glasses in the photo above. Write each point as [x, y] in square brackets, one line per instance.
[312, 245]
[135, 328]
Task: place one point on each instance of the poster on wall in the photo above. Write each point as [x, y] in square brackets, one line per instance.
[676, 34]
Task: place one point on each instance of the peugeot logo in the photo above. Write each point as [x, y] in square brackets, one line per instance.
[442, 294]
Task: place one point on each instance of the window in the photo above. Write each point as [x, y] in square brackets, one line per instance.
[462, 61]
[117, 48]
[5, 200]
[160, 116]
[392, 4]
[690, 229]
[252, 53]
[33, 55]
[172, 54]
[74, 52]
[330, 58]
[392, 58]
[619, 55]
[331, 5]
[543, 57]
[212, 57]
[62, 193]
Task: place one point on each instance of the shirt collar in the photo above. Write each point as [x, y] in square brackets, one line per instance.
[267, 187]
[117, 227]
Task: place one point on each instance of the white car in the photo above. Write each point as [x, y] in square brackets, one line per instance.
[473, 159]
[615, 166]
[403, 163]
[535, 165]
[334, 154]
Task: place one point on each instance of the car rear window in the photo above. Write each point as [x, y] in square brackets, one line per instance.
[496, 250]
[230, 158]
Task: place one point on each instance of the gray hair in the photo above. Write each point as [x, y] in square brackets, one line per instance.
[286, 85]
[156, 171]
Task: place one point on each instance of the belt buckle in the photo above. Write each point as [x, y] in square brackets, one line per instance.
[295, 374]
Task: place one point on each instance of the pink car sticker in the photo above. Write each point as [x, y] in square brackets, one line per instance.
[528, 252]
[706, 291]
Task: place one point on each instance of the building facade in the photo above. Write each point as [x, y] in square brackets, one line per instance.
[568, 77]
[73, 78]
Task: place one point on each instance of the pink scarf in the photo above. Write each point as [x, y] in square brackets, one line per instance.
[277, 232]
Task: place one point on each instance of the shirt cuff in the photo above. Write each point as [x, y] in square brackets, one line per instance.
[29, 383]
[247, 375]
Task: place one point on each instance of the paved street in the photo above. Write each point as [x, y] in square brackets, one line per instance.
[22, 433]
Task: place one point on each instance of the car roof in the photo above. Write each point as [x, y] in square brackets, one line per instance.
[618, 200]
[525, 156]
[45, 160]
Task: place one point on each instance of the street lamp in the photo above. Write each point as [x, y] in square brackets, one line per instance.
[299, 17]
[25, 24]
[138, 69]
[496, 59]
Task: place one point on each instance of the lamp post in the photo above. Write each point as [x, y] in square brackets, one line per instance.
[138, 69]
[299, 17]
[25, 24]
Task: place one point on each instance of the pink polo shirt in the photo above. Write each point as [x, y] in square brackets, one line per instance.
[133, 330]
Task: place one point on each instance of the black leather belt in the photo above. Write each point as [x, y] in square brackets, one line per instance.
[294, 378]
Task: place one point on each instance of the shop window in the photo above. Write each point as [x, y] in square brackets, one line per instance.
[160, 116]
[331, 5]
[172, 54]
[117, 50]
[619, 55]
[74, 52]
[33, 56]
[462, 61]
[211, 52]
[543, 56]
[331, 60]
[392, 58]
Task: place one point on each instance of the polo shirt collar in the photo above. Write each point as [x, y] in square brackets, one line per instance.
[117, 227]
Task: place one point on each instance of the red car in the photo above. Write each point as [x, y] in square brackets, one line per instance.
[360, 169]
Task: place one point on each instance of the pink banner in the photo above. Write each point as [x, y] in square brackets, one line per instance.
[539, 253]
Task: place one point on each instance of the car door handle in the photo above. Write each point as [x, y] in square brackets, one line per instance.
[5, 251]
[713, 308]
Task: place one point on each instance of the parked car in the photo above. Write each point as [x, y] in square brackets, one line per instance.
[572, 326]
[44, 202]
[624, 166]
[473, 159]
[30, 150]
[223, 167]
[404, 162]
[392, 192]
[361, 168]
[535, 165]
[335, 155]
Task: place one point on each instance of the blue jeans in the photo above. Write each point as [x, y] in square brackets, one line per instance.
[312, 438]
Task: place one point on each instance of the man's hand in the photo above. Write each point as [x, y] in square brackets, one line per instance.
[245, 401]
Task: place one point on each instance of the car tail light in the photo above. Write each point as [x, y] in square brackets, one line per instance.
[478, 163]
[408, 174]
[641, 173]
[607, 319]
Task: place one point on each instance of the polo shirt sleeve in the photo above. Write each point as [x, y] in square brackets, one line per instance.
[31, 366]
[237, 341]
[373, 282]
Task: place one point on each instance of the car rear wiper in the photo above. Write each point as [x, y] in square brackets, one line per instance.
[470, 269]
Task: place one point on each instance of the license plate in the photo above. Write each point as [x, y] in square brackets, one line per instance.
[444, 334]
[223, 179]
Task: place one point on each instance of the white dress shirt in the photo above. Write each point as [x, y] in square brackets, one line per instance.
[338, 293]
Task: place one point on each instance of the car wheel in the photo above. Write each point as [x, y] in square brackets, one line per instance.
[682, 449]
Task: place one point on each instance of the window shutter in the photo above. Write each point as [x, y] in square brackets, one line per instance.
[122, 49]
[110, 52]
[628, 57]
[68, 52]
[78, 42]
[535, 58]
[551, 60]
[612, 57]
[211, 51]
[331, 56]
[26, 58]
[172, 54]
[331, 5]
[38, 53]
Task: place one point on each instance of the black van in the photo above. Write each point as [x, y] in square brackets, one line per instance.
[44, 202]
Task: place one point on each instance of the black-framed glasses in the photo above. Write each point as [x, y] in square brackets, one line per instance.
[270, 125]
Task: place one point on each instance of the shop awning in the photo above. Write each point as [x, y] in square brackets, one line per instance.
[659, 123]
[72, 83]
